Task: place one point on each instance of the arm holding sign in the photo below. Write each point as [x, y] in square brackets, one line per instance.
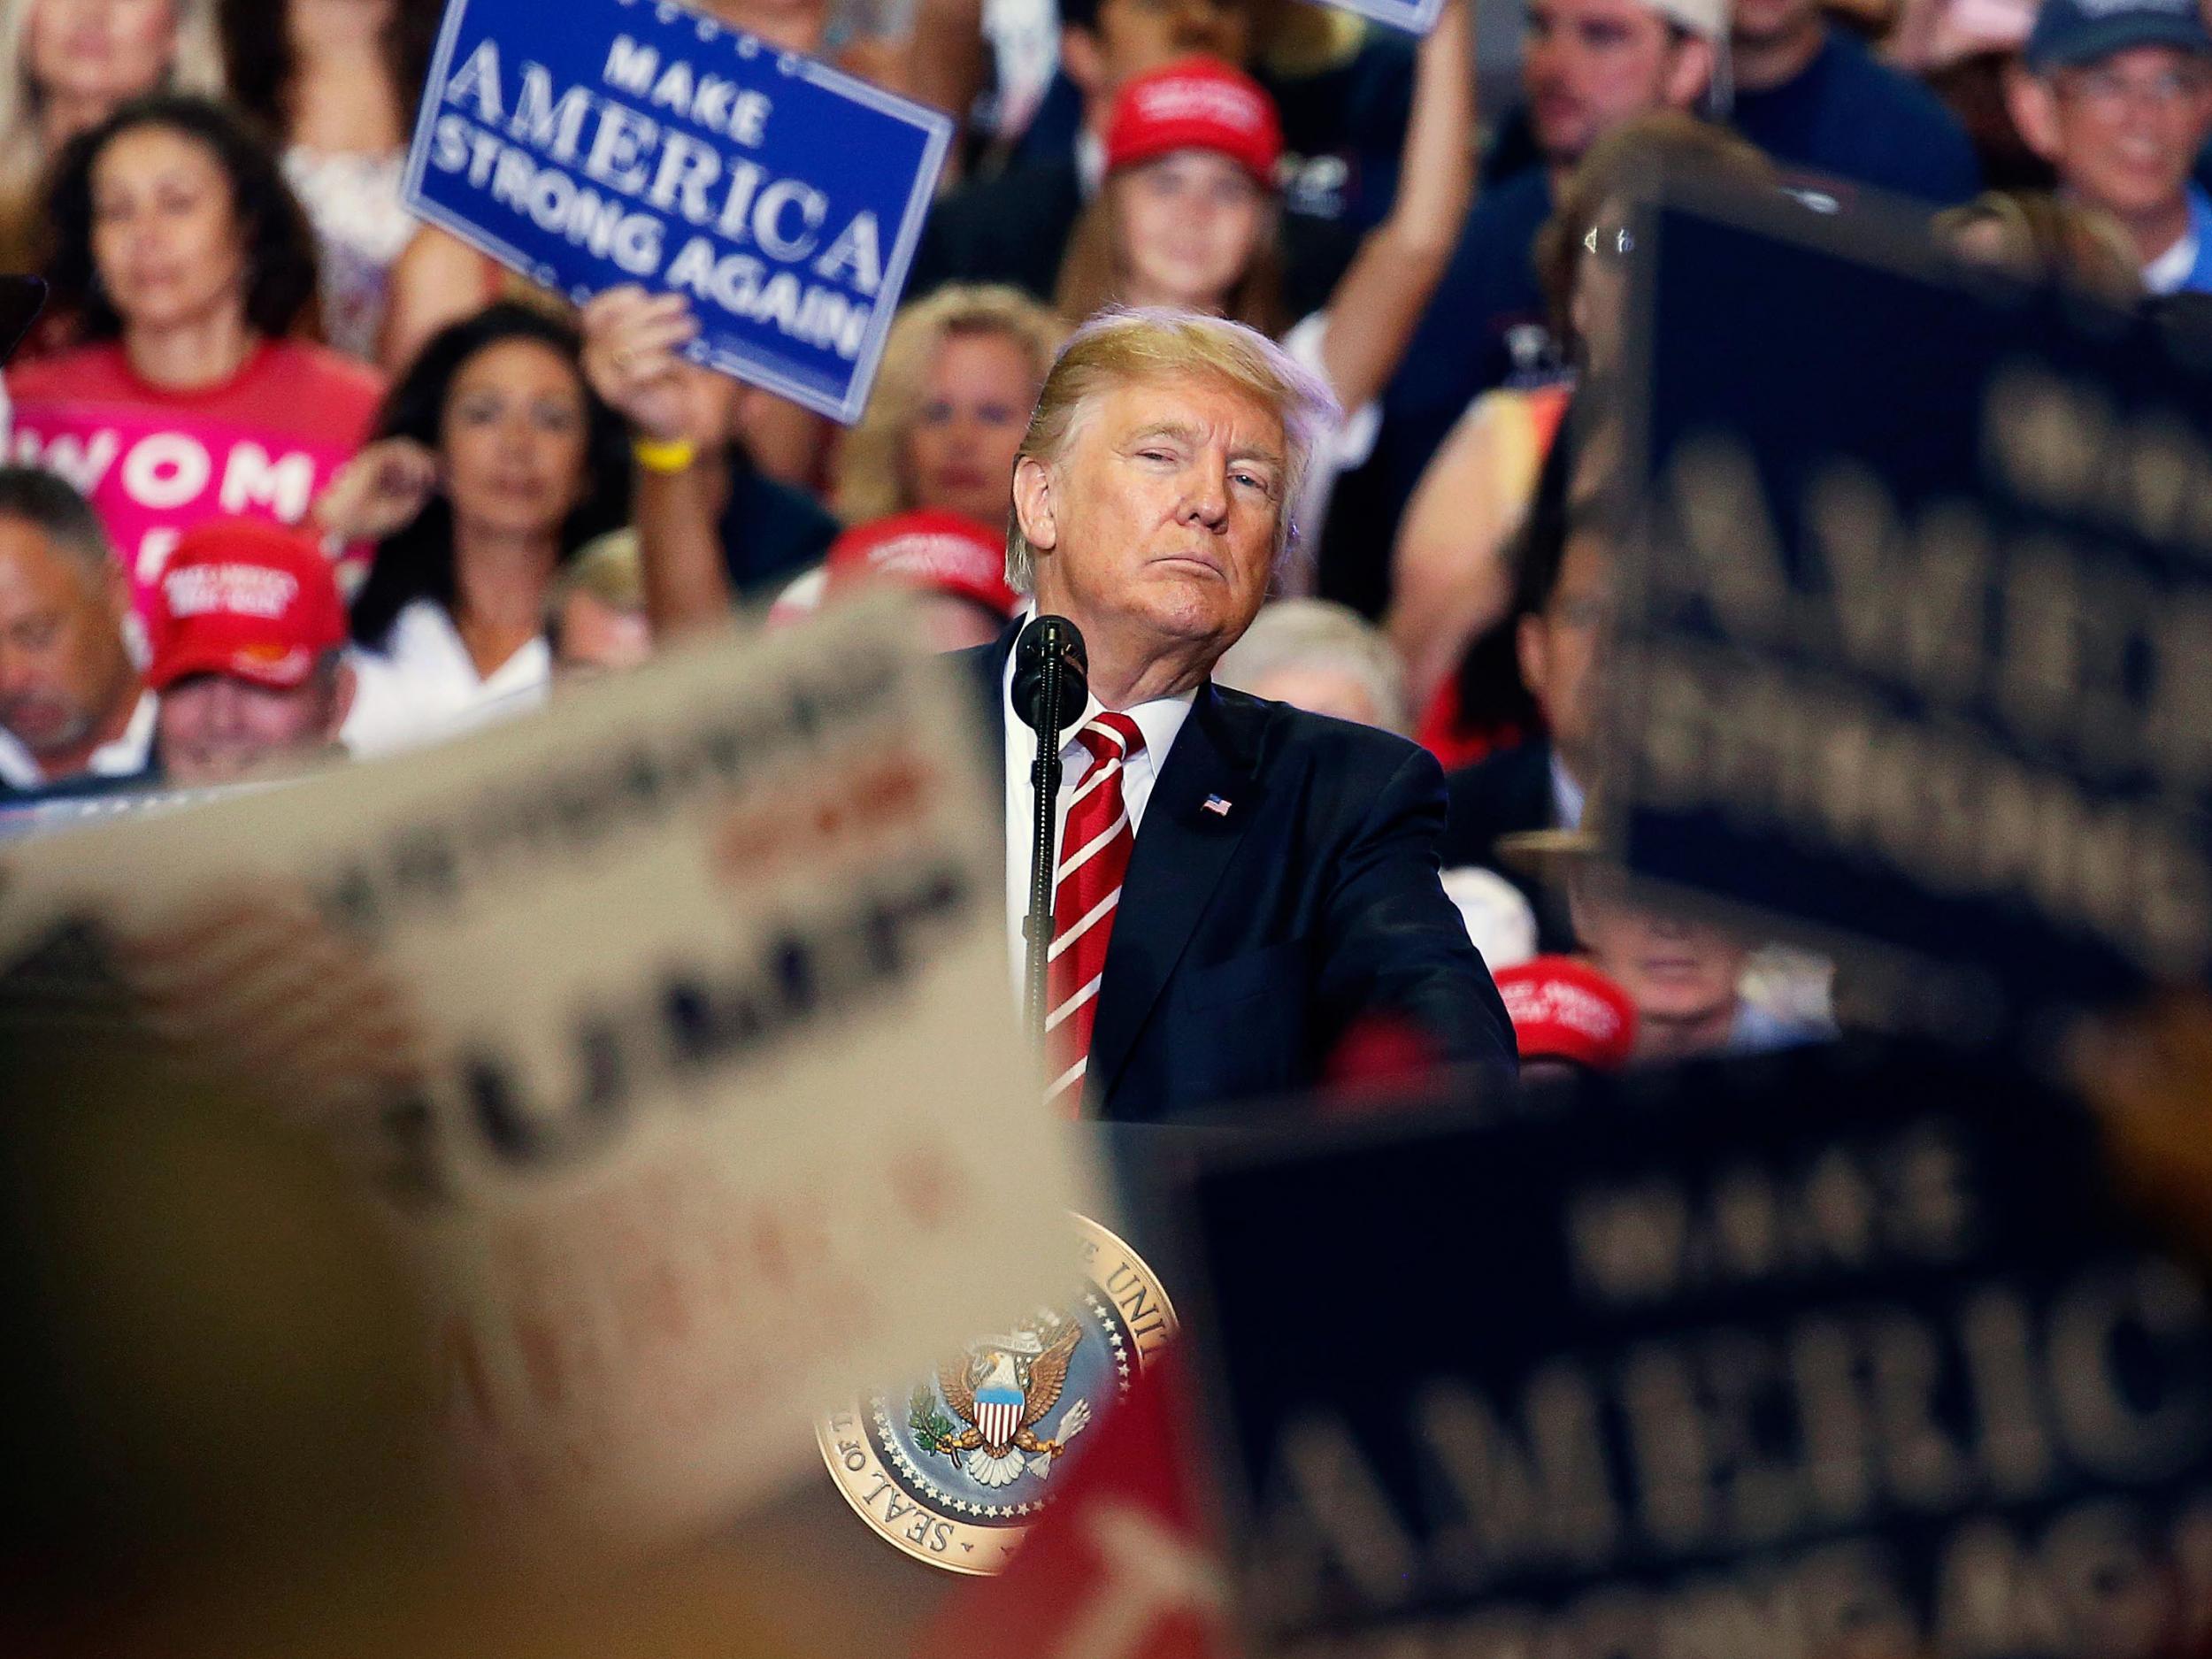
[1378, 300]
[631, 340]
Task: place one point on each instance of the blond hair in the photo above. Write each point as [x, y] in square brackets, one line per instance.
[1153, 344]
[1319, 634]
[196, 65]
[869, 482]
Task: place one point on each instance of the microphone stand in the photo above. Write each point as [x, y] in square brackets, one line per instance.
[1052, 685]
[1044, 775]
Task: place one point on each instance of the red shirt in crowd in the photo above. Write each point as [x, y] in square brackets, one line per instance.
[155, 461]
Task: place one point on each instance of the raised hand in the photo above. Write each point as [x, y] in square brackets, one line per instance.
[632, 346]
[382, 490]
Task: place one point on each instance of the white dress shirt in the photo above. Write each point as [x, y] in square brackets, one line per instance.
[423, 686]
[118, 757]
[1160, 720]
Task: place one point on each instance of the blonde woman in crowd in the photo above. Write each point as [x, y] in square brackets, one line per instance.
[73, 63]
[960, 373]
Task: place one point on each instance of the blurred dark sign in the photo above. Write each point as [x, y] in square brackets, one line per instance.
[1840, 1352]
[1915, 646]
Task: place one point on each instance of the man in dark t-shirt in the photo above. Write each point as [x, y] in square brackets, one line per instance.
[1816, 100]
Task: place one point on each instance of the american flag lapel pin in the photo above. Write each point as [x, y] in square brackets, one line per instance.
[1215, 805]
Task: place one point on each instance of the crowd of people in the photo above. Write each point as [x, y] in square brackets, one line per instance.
[292, 476]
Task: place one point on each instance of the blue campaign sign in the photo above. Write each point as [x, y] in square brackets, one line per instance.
[1843, 1351]
[1915, 630]
[597, 142]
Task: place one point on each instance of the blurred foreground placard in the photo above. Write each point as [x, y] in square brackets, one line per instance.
[674, 1022]
[1845, 1353]
[1914, 649]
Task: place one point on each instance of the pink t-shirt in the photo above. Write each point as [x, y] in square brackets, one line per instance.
[154, 462]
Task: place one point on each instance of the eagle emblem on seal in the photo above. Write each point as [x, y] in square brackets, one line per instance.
[1001, 1388]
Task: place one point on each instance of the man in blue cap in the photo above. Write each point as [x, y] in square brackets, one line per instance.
[2116, 95]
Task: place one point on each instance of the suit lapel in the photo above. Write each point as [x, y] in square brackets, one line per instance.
[1182, 848]
[984, 673]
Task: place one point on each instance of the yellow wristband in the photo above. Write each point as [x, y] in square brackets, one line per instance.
[673, 455]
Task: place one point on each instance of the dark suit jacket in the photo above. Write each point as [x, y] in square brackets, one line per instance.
[1507, 793]
[1247, 942]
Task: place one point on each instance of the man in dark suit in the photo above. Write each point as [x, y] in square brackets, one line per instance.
[1562, 598]
[1239, 884]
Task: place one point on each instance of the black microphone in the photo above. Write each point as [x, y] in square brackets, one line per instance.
[1052, 687]
[1045, 639]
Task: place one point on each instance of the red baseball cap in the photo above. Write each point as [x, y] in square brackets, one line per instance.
[1566, 1009]
[245, 599]
[1195, 104]
[942, 552]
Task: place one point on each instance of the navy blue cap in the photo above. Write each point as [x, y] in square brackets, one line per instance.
[2070, 32]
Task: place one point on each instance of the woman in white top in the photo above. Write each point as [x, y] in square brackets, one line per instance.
[336, 82]
[1189, 217]
[494, 463]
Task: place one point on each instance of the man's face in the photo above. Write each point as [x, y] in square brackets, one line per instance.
[1590, 66]
[2124, 131]
[214, 727]
[64, 670]
[1136, 37]
[1560, 646]
[1161, 516]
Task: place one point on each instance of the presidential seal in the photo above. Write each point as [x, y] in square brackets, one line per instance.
[953, 1470]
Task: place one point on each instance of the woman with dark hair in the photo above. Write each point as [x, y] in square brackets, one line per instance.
[337, 81]
[187, 263]
[67, 66]
[494, 463]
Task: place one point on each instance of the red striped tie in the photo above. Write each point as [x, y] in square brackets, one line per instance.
[1093, 857]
